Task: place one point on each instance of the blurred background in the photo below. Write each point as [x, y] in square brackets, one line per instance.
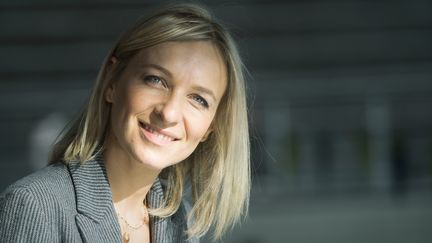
[340, 100]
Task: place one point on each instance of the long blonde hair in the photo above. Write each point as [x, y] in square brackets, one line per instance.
[219, 168]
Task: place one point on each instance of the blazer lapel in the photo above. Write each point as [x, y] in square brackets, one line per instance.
[161, 229]
[96, 218]
[171, 229]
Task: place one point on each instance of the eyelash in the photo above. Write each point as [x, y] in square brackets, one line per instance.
[150, 79]
[201, 101]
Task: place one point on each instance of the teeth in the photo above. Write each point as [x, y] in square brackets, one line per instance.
[160, 136]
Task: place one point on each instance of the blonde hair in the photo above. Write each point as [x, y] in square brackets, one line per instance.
[218, 169]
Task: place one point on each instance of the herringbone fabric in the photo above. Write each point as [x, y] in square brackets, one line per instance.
[73, 203]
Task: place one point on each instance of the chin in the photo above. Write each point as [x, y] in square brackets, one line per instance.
[152, 160]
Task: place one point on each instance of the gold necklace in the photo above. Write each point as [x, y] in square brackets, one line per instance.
[126, 234]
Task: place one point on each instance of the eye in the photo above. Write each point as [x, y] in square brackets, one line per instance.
[155, 81]
[200, 100]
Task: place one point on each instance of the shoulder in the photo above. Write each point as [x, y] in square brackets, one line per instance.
[28, 207]
[51, 181]
[50, 176]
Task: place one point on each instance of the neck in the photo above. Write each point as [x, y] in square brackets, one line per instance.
[129, 180]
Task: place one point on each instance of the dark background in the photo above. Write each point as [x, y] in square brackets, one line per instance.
[340, 97]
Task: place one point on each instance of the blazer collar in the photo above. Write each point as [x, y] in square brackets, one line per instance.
[93, 194]
[96, 219]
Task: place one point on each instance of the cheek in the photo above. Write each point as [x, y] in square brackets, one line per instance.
[198, 127]
[121, 112]
[142, 100]
[117, 121]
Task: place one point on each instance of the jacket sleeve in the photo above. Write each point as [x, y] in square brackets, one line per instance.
[22, 218]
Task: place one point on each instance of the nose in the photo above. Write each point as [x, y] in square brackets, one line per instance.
[168, 111]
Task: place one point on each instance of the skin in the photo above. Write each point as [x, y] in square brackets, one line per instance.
[162, 107]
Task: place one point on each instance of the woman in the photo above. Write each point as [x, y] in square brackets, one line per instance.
[168, 109]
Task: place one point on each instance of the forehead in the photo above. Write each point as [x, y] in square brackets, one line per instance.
[193, 49]
[196, 62]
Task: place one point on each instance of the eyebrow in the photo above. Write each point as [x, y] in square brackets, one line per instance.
[160, 68]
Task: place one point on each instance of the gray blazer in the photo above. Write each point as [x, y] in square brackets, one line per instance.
[73, 203]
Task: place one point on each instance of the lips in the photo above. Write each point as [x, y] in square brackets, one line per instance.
[155, 135]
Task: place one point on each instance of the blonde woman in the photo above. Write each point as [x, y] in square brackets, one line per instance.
[168, 109]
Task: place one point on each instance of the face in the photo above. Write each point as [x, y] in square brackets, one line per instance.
[164, 102]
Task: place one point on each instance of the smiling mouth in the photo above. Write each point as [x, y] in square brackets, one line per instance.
[156, 136]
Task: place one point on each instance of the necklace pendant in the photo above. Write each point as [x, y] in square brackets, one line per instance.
[126, 238]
